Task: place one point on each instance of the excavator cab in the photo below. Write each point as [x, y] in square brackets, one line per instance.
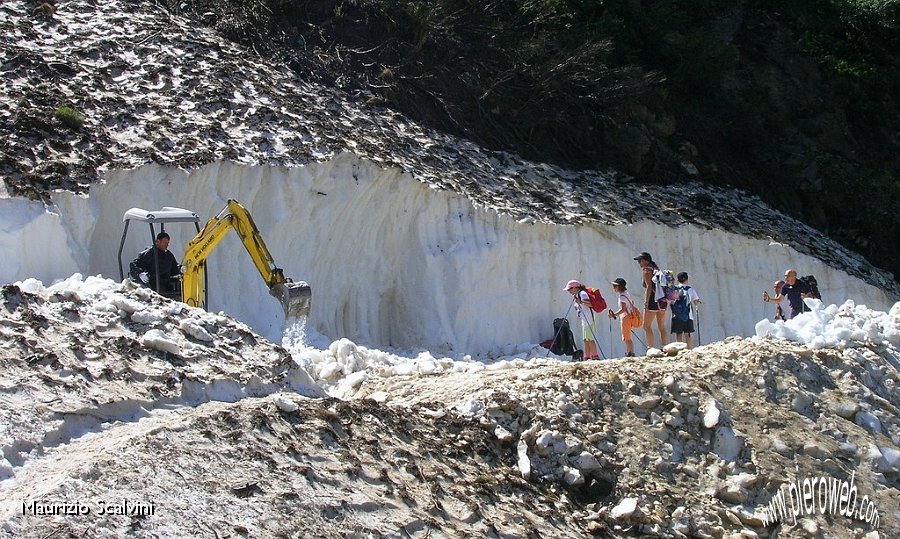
[295, 297]
[160, 218]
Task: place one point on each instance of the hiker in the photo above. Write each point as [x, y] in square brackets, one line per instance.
[631, 315]
[588, 325]
[683, 310]
[794, 290]
[654, 304]
[776, 299]
[144, 268]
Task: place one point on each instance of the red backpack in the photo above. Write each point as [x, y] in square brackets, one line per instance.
[598, 304]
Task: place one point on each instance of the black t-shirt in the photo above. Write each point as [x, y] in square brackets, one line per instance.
[168, 268]
[793, 295]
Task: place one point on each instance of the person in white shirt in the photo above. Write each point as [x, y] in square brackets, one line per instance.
[588, 322]
[683, 310]
[631, 315]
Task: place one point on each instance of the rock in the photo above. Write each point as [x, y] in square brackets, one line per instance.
[503, 435]
[809, 527]
[890, 461]
[572, 476]
[728, 443]
[712, 415]
[673, 348]
[868, 421]
[816, 451]
[730, 516]
[624, 509]
[782, 448]
[545, 442]
[848, 449]
[587, 462]
[845, 409]
[749, 519]
[569, 446]
[670, 383]
[644, 402]
[802, 404]
[731, 493]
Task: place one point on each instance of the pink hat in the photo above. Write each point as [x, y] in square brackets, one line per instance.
[572, 283]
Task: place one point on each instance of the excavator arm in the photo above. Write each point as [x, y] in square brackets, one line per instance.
[294, 297]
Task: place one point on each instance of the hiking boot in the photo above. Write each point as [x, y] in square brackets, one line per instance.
[629, 354]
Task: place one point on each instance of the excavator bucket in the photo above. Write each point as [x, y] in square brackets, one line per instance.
[295, 298]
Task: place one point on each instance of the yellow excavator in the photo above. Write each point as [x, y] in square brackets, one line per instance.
[295, 297]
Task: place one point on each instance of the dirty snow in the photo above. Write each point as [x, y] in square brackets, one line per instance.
[236, 436]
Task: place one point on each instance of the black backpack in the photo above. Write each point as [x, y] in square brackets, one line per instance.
[563, 340]
[813, 286]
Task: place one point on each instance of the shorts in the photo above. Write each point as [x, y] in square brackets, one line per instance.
[588, 328]
[660, 305]
[682, 326]
[626, 327]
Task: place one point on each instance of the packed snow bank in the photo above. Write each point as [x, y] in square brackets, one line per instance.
[394, 263]
[837, 326]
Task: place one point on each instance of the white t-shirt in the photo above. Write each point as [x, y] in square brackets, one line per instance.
[658, 280]
[692, 296]
[626, 302]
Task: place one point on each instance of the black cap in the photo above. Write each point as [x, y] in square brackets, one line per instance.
[645, 255]
[619, 282]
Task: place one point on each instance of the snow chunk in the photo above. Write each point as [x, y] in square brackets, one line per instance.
[148, 317]
[158, 340]
[128, 305]
[285, 405]
[712, 415]
[195, 330]
[524, 463]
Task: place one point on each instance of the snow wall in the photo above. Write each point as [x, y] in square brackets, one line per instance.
[394, 263]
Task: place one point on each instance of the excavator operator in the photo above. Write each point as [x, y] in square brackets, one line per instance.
[157, 257]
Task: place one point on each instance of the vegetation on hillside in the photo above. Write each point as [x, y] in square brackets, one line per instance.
[796, 102]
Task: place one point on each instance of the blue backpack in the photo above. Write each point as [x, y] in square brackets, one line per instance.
[681, 307]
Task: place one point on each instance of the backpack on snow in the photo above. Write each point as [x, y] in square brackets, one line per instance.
[681, 307]
[668, 284]
[598, 304]
[563, 339]
[813, 285]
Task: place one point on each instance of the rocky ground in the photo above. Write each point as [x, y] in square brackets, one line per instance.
[114, 396]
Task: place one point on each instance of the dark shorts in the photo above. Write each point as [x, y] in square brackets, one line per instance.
[656, 305]
[680, 326]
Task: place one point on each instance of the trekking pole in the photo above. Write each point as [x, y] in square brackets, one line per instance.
[697, 309]
[610, 334]
[566, 316]
[634, 335]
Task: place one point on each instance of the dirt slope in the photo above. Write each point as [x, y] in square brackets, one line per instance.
[133, 404]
